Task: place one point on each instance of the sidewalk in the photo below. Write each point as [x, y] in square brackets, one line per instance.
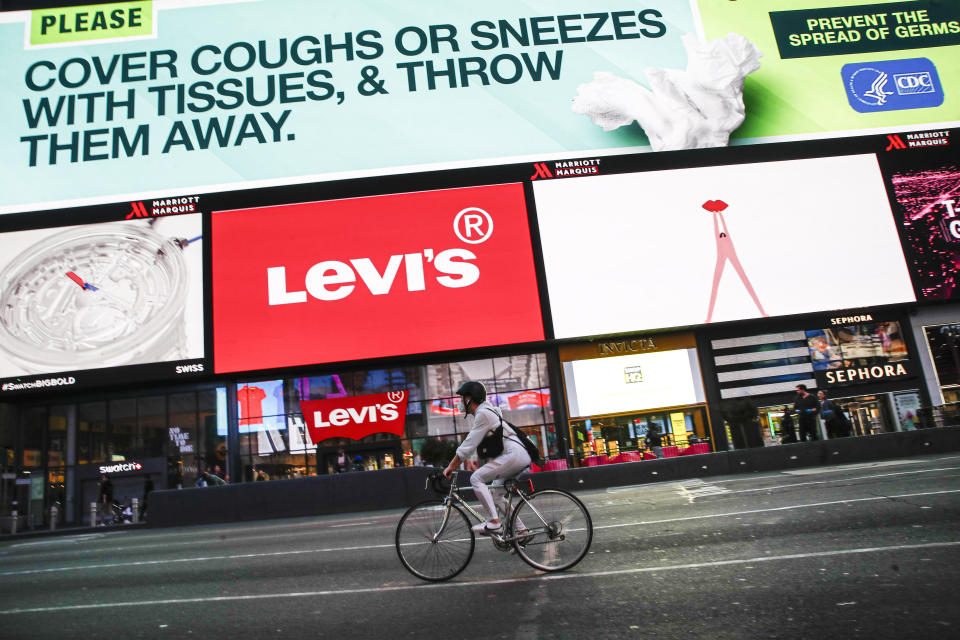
[395, 488]
[67, 530]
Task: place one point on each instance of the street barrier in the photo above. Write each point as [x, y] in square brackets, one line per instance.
[397, 488]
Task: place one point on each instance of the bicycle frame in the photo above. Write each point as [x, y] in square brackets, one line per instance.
[453, 496]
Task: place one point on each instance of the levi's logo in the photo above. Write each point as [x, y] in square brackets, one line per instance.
[335, 279]
[355, 416]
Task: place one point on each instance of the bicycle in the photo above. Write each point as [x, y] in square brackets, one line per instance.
[549, 529]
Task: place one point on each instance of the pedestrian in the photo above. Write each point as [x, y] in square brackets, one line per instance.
[261, 475]
[147, 488]
[211, 480]
[837, 424]
[807, 408]
[655, 440]
[342, 463]
[787, 429]
[105, 500]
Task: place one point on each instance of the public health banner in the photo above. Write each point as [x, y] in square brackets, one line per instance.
[137, 100]
[844, 66]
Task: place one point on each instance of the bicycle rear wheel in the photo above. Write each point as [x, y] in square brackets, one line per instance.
[434, 541]
[559, 530]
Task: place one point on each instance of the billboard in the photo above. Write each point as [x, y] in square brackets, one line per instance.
[634, 382]
[372, 277]
[928, 207]
[683, 247]
[851, 66]
[145, 99]
[355, 417]
[101, 296]
[855, 349]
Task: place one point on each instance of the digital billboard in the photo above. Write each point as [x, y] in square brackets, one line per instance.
[260, 406]
[856, 349]
[372, 277]
[928, 205]
[169, 98]
[97, 296]
[690, 246]
[633, 382]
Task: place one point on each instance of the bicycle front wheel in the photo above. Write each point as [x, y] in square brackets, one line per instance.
[434, 541]
[558, 530]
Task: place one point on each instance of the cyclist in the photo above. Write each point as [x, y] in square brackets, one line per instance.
[487, 418]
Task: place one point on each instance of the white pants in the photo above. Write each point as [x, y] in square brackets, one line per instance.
[509, 464]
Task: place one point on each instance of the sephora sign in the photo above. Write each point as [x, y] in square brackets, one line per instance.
[355, 417]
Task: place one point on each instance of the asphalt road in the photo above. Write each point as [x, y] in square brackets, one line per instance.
[857, 551]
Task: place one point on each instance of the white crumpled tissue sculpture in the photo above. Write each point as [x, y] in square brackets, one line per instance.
[696, 108]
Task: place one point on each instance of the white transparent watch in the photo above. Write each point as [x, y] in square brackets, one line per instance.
[94, 296]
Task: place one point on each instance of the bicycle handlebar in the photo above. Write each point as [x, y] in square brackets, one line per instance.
[436, 482]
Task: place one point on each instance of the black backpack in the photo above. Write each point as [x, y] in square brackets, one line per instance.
[492, 444]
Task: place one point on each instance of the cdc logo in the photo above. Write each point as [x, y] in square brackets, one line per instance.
[910, 83]
[890, 85]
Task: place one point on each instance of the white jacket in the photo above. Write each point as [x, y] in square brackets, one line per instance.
[486, 419]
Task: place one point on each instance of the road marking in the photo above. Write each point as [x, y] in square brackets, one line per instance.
[482, 583]
[771, 509]
[813, 482]
[670, 485]
[246, 556]
[858, 465]
[699, 489]
[239, 556]
[351, 524]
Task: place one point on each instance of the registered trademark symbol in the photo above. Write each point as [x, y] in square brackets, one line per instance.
[473, 225]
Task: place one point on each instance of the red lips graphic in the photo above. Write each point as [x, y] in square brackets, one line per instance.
[715, 206]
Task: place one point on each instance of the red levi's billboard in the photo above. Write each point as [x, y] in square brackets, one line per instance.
[355, 417]
[372, 277]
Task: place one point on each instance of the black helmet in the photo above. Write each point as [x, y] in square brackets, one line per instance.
[474, 390]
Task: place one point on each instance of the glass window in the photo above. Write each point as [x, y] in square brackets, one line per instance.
[514, 373]
[7, 437]
[91, 432]
[441, 416]
[416, 425]
[57, 437]
[212, 445]
[479, 370]
[125, 438]
[525, 408]
[183, 437]
[944, 341]
[259, 400]
[152, 426]
[34, 424]
[439, 384]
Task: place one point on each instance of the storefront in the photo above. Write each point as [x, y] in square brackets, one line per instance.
[938, 330]
[63, 448]
[369, 419]
[284, 428]
[863, 361]
[617, 391]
